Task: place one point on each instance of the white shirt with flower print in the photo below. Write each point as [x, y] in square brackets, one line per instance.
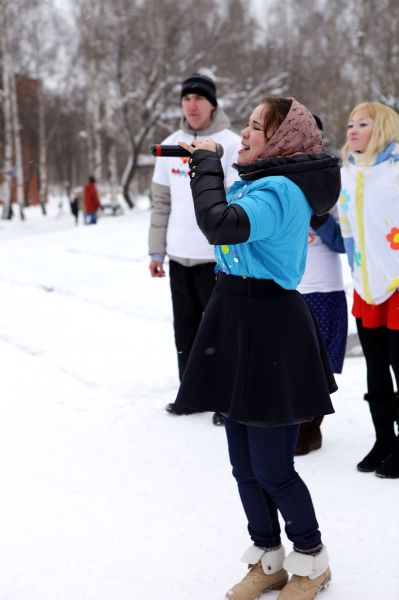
[369, 215]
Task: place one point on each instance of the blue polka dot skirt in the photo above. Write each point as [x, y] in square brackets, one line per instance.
[331, 312]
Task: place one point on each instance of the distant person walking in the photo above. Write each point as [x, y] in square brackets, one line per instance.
[91, 201]
[75, 205]
[369, 219]
[173, 228]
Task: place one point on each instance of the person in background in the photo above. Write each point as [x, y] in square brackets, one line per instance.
[91, 201]
[75, 205]
[323, 288]
[369, 219]
[259, 357]
[173, 229]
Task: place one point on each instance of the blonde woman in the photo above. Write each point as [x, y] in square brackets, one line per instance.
[369, 219]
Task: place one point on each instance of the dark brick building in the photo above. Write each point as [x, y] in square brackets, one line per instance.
[27, 96]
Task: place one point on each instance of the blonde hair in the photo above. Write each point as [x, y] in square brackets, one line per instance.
[385, 130]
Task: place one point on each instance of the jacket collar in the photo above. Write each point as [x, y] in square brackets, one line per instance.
[317, 175]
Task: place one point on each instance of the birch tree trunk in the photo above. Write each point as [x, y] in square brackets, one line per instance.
[19, 173]
[97, 125]
[113, 173]
[42, 150]
[7, 119]
[111, 135]
[94, 128]
[89, 138]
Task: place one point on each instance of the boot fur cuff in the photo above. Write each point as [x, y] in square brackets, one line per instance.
[307, 565]
[271, 560]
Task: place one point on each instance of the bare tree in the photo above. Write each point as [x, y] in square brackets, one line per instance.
[13, 150]
[7, 114]
[18, 166]
[42, 149]
[126, 59]
[41, 62]
[160, 44]
[34, 56]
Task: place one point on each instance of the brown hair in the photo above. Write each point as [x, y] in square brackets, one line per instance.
[276, 109]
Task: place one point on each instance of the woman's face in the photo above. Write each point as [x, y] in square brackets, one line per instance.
[253, 139]
[358, 133]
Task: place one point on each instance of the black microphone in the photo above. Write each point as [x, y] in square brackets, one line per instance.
[165, 150]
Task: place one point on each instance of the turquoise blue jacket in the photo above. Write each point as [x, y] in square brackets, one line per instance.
[279, 216]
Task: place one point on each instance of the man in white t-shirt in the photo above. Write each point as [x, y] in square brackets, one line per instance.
[173, 228]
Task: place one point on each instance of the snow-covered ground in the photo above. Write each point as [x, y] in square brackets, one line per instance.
[104, 496]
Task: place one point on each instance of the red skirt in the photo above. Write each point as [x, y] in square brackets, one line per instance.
[377, 315]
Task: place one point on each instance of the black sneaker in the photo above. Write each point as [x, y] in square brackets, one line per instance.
[173, 409]
[218, 419]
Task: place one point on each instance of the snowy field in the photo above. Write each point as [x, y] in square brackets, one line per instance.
[104, 496]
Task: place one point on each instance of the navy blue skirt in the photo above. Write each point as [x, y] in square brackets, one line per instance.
[331, 312]
[258, 356]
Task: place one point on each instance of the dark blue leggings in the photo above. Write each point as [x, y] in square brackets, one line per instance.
[263, 465]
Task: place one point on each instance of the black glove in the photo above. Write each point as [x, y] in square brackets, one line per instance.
[316, 222]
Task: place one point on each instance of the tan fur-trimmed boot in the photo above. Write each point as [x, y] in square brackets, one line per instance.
[310, 575]
[265, 573]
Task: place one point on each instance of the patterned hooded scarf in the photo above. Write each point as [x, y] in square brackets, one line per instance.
[295, 151]
[297, 134]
